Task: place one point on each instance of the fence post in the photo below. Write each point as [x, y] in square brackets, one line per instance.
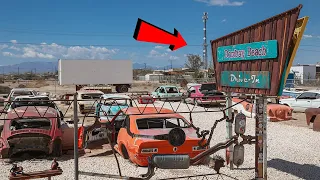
[229, 127]
[75, 147]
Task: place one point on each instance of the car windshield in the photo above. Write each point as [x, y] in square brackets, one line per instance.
[172, 90]
[116, 102]
[208, 87]
[28, 123]
[91, 96]
[39, 101]
[161, 123]
[21, 93]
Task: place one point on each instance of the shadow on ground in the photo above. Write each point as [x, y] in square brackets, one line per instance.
[304, 171]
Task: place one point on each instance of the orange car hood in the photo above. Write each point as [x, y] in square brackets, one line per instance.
[190, 132]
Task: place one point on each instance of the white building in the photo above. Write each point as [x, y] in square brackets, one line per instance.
[153, 77]
[304, 72]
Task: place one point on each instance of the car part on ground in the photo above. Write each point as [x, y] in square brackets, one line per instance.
[17, 172]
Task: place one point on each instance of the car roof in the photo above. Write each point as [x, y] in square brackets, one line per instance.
[146, 110]
[89, 91]
[39, 111]
[120, 96]
[22, 89]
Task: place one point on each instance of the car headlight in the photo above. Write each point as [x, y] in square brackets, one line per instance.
[149, 150]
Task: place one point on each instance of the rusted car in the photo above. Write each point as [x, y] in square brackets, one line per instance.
[134, 140]
[31, 129]
[275, 112]
[313, 118]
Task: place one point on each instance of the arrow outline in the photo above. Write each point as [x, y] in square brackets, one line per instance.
[137, 30]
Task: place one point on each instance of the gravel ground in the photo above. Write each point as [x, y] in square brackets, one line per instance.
[292, 154]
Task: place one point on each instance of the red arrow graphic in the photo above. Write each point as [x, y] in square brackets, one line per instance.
[147, 32]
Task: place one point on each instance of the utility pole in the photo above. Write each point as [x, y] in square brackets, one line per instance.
[145, 66]
[205, 55]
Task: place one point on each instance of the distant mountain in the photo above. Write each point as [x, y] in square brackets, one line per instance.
[35, 67]
[41, 67]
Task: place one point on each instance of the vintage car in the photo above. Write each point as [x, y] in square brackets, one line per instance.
[87, 100]
[21, 92]
[203, 94]
[20, 101]
[275, 112]
[35, 129]
[109, 105]
[146, 121]
[307, 99]
[169, 93]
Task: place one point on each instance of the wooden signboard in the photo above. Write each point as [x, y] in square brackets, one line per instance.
[259, 52]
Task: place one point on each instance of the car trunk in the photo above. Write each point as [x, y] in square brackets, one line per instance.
[29, 142]
[164, 147]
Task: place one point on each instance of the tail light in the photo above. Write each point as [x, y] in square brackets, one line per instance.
[198, 148]
[80, 137]
[149, 150]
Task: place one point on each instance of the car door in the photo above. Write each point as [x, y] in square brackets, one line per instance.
[303, 101]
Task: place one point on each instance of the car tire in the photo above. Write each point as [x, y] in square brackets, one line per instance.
[124, 152]
[57, 148]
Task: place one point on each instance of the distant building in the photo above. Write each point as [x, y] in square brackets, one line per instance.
[304, 72]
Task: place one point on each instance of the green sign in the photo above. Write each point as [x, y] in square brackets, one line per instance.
[249, 51]
[246, 79]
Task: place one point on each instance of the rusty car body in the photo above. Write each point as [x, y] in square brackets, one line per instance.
[149, 123]
[313, 118]
[275, 112]
[31, 129]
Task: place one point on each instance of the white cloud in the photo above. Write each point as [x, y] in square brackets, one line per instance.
[307, 36]
[51, 51]
[224, 20]
[222, 2]
[14, 41]
[3, 46]
[159, 47]
[174, 57]
[7, 54]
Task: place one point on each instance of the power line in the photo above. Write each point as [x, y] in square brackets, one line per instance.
[71, 34]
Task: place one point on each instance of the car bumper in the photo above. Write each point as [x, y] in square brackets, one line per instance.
[142, 159]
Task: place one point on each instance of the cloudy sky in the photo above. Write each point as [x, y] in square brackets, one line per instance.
[48, 30]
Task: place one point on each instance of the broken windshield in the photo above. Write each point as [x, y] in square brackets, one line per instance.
[28, 123]
[160, 123]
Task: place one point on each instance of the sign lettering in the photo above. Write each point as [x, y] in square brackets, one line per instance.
[248, 51]
[246, 79]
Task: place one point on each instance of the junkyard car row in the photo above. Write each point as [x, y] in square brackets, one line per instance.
[37, 121]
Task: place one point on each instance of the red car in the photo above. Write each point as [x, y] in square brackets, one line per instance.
[204, 94]
[31, 129]
[149, 123]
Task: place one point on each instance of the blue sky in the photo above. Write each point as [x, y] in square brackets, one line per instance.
[64, 26]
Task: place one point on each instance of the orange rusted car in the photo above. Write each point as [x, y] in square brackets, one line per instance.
[276, 112]
[135, 140]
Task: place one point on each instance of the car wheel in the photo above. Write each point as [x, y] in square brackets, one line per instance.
[57, 148]
[124, 152]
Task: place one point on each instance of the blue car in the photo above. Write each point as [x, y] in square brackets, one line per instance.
[110, 105]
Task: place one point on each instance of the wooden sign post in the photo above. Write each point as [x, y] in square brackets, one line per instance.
[254, 60]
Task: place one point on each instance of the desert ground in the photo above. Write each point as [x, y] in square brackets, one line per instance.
[292, 147]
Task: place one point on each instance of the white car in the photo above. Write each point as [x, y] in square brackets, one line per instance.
[307, 99]
[21, 92]
[87, 100]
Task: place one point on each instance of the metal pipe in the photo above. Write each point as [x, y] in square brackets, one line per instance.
[229, 129]
[213, 150]
[75, 123]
